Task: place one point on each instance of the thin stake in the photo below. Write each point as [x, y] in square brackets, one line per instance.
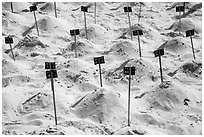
[139, 46]
[192, 47]
[129, 97]
[100, 74]
[179, 23]
[129, 23]
[12, 52]
[55, 10]
[12, 7]
[160, 69]
[75, 44]
[85, 24]
[184, 4]
[52, 85]
[36, 22]
[139, 14]
[95, 14]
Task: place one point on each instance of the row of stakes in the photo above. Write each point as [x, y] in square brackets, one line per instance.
[52, 72]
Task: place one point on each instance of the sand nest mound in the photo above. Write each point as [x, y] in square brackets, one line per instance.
[186, 24]
[8, 67]
[148, 31]
[176, 45]
[74, 70]
[145, 71]
[83, 47]
[167, 96]
[191, 69]
[11, 21]
[123, 48]
[17, 6]
[98, 106]
[95, 33]
[49, 25]
[49, 6]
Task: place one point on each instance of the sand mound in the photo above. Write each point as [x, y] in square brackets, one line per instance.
[11, 21]
[17, 6]
[49, 6]
[83, 48]
[191, 69]
[186, 24]
[49, 25]
[38, 102]
[96, 34]
[74, 70]
[145, 71]
[8, 67]
[15, 79]
[122, 48]
[98, 105]
[148, 31]
[167, 96]
[176, 45]
[29, 42]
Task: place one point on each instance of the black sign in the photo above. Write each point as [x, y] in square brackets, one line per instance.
[54, 74]
[83, 8]
[190, 33]
[50, 64]
[127, 9]
[180, 9]
[8, 40]
[74, 32]
[159, 52]
[137, 32]
[126, 70]
[99, 60]
[33, 8]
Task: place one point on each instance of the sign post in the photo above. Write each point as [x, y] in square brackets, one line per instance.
[139, 13]
[180, 9]
[34, 8]
[129, 9]
[138, 33]
[85, 9]
[99, 61]
[129, 71]
[9, 40]
[191, 33]
[159, 53]
[75, 32]
[52, 73]
[95, 13]
[11, 7]
[55, 9]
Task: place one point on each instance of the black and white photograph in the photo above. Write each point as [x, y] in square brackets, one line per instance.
[101, 67]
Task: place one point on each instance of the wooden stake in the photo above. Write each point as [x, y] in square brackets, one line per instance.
[192, 47]
[55, 9]
[95, 14]
[53, 92]
[129, 23]
[100, 73]
[129, 96]
[85, 24]
[36, 23]
[139, 45]
[160, 69]
[12, 52]
[11, 7]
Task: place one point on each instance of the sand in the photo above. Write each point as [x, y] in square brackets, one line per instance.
[83, 107]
